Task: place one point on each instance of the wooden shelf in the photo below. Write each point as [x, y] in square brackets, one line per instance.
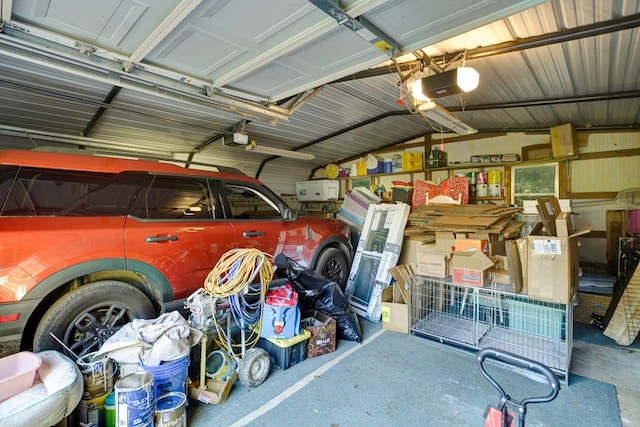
[478, 199]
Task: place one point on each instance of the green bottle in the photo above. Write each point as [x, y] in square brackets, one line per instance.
[110, 410]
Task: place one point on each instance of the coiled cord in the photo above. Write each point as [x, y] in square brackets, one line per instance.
[231, 278]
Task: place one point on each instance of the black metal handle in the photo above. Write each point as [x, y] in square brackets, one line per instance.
[155, 239]
[510, 358]
[252, 233]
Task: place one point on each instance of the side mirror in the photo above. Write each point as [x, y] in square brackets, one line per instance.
[290, 214]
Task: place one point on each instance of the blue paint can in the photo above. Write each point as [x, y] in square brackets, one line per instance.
[171, 410]
[134, 400]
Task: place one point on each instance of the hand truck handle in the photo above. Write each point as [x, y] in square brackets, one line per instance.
[492, 353]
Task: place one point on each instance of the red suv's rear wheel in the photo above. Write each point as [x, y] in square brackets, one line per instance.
[85, 318]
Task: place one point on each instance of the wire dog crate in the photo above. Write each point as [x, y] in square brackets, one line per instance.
[478, 318]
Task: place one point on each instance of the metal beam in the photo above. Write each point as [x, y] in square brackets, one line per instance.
[592, 30]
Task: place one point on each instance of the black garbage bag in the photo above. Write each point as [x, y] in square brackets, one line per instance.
[316, 292]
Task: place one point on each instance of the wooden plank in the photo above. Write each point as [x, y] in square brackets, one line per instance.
[617, 225]
[625, 322]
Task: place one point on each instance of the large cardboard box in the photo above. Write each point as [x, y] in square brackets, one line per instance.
[434, 264]
[563, 141]
[552, 267]
[323, 333]
[470, 267]
[445, 241]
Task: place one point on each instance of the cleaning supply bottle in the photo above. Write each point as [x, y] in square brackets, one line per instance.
[110, 410]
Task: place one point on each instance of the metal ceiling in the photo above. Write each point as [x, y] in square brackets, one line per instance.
[169, 78]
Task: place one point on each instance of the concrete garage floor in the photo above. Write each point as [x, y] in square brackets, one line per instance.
[619, 366]
[394, 379]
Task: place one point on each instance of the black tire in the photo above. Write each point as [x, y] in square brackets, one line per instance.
[86, 317]
[332, 264]
[254, 367]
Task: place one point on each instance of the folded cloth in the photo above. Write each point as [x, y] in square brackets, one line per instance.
[152, 341]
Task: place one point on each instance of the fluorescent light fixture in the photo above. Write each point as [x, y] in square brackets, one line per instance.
[462, 79]
[279, 152]
[448, 120]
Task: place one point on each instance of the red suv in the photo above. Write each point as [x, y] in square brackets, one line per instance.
[88, 243]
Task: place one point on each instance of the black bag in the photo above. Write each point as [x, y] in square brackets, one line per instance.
[316, 292]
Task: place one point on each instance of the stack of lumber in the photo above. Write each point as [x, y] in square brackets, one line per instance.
[498, 219]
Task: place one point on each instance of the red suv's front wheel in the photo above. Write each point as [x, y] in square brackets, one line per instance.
[86, 317]
[332, 264]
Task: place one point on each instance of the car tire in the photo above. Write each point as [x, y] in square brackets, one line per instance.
[332, 264]
[86, 317]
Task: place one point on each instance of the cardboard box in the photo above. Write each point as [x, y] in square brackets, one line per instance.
[481, 245]
[563, 141]
[564, 227]
[434, 264]
[395, 300]
[395, 315]
[552, 267]
[216, 392]
[470, 267]
[445, 241]
[323, 333]
[590, 304]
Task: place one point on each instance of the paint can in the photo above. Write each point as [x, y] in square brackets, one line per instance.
[97, 372]
[134, 400]
[494, 177]
[170, 410]
[91, 410]
[482, 190]
[481, 178]
[494, 190]
[169, 376]
[220, 365]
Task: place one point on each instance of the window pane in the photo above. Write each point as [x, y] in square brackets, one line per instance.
[46, 192]
[249, 203]
[171, 197]
[535, 180]
[111, 198]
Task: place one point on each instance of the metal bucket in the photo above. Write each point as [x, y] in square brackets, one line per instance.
[171, 410]
[134, 400]
[97, 373]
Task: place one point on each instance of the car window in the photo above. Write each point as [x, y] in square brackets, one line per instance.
[47, 192]
[249, 203]
[175, 197]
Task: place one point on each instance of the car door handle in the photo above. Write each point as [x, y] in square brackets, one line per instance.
[155, 239]
[252, 233]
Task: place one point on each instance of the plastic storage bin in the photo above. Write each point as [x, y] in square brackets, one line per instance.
[319, 190]
[17, 372]
[286, 353]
